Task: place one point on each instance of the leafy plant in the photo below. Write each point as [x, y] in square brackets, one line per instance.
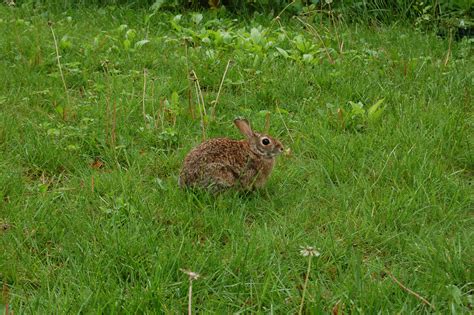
[168, 137]
[357, 117]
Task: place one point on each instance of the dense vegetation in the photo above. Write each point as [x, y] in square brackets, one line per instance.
[98, 109]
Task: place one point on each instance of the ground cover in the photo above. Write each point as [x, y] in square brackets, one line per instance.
[378, 126]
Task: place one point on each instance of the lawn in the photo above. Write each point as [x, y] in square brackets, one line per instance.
[378, 126]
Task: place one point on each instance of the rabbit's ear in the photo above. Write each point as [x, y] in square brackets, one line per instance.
[244, 127]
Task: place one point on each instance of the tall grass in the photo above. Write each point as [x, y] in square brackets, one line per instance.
[356, 10]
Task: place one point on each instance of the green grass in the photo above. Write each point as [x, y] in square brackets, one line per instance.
[393, 194]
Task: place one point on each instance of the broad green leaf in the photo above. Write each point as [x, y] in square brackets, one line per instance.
[455, 293]
[65, 42]
[131, 34]
[308, 57]
[197, 18]
[141, 43]
[256, 36]
[375, 111]
[174, 99]
[357, 109]
[282, 52]
[126, 44]
[175, 22]
[372, 109]
[72, 147]
[226, 37]
[122, 27]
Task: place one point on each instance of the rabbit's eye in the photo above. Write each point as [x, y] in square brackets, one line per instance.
[265, 141]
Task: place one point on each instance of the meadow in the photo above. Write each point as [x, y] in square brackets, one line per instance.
[98, 108]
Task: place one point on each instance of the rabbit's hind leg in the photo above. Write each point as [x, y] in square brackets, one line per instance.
[219, 178]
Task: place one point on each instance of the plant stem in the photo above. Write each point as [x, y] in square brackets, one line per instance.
[313, 31]
[188, 72]
[448, 54]
[114, 124]
[220, 88]
[58, 57]
[143, 96]
[419, 297]
[305, 285]
[201, 105]
[190, 297]
[284, 124]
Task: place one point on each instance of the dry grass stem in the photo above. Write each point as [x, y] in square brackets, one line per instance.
[144, 96]
[155, 118]
[58, 58]
[448, 54]
[267, 122]
[107, 103]
[192, 276]
[277, 18]
[199, 92]
[201, 105]
[114, 124]
[190, 93]
[284, 124]
[315, 33]
[333, 22]
[161, 113]
[220, 87]
[419, 297]
[300, 311]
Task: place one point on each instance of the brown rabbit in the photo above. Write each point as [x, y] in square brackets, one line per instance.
[222, 163]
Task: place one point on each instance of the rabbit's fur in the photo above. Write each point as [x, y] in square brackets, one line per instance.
[221, 163]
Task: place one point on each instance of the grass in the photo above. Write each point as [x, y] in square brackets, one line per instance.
[92, 218]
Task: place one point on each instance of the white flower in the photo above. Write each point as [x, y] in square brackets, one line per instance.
[309, 251]
[191, 274]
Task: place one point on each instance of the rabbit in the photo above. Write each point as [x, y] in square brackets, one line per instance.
[221, 163]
